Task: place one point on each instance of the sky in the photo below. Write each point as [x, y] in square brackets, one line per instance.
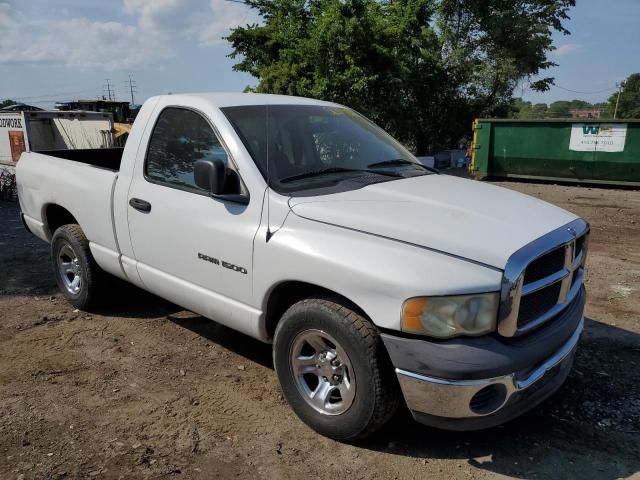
[602, 50]
[55, 50]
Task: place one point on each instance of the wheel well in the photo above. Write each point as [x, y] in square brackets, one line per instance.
[287, 293]
[55, 216]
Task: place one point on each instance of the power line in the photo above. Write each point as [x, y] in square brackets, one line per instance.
[586, 93]
[53, 95]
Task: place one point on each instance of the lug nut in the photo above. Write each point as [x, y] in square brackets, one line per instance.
[335, 362]
[336, 378]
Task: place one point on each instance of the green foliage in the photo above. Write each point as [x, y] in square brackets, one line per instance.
[7, 102]
[527, 110]
[629, 104]
[559, 109]
[422, 69]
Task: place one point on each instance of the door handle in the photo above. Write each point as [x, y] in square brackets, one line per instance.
[141, 205]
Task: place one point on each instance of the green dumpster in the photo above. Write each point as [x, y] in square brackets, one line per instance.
[564, 150]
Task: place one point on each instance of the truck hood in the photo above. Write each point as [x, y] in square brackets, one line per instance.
[466, 218]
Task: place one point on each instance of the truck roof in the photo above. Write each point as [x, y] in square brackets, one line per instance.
[233, 99]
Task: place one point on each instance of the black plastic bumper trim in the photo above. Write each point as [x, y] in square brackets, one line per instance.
[472, 358]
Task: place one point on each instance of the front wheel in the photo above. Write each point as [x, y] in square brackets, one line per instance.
[334, 370]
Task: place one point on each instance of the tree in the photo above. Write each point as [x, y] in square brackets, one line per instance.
[527, 110]
[7, 102]
[629, 103]
[422, 69]
[559, 109]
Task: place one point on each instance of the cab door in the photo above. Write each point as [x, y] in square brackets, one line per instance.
[189, 247]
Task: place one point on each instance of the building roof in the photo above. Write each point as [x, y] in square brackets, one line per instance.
[19, 107]
[92, 100]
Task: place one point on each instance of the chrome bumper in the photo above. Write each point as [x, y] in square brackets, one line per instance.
[469, 399]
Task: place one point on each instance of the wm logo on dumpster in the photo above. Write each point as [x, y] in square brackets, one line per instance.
[590, 129]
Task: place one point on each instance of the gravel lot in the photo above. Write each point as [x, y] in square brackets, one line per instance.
[143, 389]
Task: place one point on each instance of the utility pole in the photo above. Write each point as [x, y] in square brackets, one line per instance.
[111, 94]
[620, 86]
[132, 88]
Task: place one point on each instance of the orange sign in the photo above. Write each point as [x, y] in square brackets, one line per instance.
[16, 140]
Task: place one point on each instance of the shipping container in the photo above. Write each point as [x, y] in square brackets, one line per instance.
[563, 150]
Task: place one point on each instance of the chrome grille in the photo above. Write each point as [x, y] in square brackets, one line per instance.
[535, 305]
[544, 266]
[542, 278]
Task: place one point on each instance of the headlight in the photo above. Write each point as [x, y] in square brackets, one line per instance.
[446, 317]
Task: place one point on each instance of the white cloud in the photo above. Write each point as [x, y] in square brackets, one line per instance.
[157, 14]
[223, 16]
[566, 49]
[205, 21]
[156, 31]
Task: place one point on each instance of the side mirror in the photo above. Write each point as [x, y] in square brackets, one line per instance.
[209, 175]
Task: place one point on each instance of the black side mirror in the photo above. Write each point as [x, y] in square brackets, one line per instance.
[210, 174]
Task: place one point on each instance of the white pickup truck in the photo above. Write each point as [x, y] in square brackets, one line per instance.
[301, 223]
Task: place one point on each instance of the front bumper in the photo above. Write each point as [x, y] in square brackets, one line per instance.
[472, 403]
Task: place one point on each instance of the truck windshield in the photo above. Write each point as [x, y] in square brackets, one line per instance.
[311, 147]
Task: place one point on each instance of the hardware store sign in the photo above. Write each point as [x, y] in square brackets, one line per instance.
[598, 137]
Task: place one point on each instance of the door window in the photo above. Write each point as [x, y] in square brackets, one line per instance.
[179, 138]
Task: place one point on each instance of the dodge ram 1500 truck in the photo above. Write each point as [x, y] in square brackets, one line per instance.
[301, 223]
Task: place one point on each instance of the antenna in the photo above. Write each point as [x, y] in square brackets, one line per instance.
[269, 234]
[132, 88]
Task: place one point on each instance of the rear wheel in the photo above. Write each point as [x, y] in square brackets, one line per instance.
[76, 272]
[334, 370]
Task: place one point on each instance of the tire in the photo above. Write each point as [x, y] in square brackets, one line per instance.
[71, 258]
[352, 343]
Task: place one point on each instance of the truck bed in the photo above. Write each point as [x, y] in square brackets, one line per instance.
[108, 158]
[80, 181]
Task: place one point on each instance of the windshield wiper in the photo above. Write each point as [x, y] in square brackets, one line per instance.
[396, 161]
[323, 171]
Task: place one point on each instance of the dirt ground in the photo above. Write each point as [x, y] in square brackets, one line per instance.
[143, 389]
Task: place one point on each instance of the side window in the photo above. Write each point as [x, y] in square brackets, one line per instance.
[179, 138]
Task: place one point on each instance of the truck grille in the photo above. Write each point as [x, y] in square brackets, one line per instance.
[536, 304]
[542, 278]
[544, 266]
